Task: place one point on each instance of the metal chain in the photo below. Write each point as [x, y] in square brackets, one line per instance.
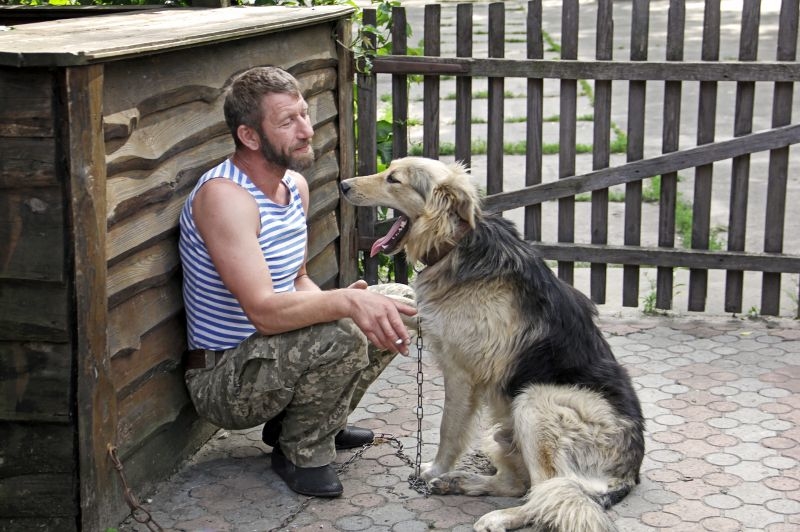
[414, 480]
[138, 513]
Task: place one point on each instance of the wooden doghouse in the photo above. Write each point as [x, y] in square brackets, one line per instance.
[105, 125]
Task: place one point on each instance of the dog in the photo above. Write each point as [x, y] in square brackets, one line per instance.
[513, 338]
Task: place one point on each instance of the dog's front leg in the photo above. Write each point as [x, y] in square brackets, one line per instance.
[455, 431]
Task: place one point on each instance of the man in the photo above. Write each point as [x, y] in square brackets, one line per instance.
[266, 344]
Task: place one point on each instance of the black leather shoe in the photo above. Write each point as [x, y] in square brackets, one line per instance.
[352, 437]
[349, 438]
[314, 481]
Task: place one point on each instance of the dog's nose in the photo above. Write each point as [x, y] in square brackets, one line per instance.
[344, 186]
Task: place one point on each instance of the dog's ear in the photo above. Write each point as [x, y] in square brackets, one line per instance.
[452, 196]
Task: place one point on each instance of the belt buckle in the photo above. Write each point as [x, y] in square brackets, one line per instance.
[209, 358]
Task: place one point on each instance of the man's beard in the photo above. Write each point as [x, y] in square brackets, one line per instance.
[286, 160]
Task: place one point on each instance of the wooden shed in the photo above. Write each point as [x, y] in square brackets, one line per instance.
[105, 125]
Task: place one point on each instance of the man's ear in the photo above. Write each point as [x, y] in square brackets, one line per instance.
[248, 136]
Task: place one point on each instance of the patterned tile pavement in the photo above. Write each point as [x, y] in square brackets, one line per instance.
[723, 445]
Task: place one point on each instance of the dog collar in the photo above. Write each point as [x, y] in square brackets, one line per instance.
[434, 256]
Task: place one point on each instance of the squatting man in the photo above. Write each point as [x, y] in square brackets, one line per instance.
[266, 344]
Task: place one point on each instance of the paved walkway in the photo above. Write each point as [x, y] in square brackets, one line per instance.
[723, 444]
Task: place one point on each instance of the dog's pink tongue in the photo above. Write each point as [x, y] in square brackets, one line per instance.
[383, 242]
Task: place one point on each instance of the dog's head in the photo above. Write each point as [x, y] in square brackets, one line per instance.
[436, 203]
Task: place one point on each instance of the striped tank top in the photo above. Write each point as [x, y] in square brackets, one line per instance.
[214, 317]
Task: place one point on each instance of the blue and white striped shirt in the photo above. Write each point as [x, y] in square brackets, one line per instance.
[215, 319]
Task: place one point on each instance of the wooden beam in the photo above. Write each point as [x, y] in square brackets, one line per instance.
[84, 151]
[770, 71]
[637, 170]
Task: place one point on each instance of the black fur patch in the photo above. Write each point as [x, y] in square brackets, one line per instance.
[564, 346]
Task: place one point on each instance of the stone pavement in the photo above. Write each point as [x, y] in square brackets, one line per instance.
[723, 444]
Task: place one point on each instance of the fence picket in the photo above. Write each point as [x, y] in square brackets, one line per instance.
[637, 92]
[779, 159]
[740, 171]
[430, 113]
[463, 149]
[567, 133]
[496, 103]
[533, 129]
[668, 195]
[601, 152]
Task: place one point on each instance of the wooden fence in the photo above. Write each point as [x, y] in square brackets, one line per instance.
[674, 78]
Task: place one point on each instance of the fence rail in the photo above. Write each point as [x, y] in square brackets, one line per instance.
[717, 160]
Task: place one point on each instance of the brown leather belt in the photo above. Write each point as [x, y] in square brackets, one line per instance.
[202, 358]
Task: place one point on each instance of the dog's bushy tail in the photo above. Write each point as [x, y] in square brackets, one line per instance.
[564, 504]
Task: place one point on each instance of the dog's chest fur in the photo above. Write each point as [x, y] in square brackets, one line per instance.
[472, 326]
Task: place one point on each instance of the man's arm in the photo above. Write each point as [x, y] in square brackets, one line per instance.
[227, 219]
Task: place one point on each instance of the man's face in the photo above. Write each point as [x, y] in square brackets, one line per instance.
[286, 131]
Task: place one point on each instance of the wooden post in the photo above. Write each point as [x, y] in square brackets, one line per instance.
[96, 397]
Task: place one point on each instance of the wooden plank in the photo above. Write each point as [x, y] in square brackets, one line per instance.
[430, 84]
[740, 171]
[32, 495]
[322, 109]
[367, 145]
[399, 112]
[32, 232]
[46, 448]
[703, 176]
[567, 131]
[35, 384]
[463, 131]
[27, 162]
[153, 223]
[150, 267]
[133, 318]
[585, 69]
[27, 97]
[399, 86]
[326, 140]
[161, 136]
[160, 351]
[670, 257]
[83, 41]
[325, 170]
[533, 129]
[670, 142]
[321, 233]
[130, 192]
[601, 141]
[779, 159]
[496, 102]
[637, 95]
[637, 170]
[26, 524]
[33, 311]
[322, 268]
[348, 254]
[324, 201]
[155, 403]
[162, 453]
[82, 94]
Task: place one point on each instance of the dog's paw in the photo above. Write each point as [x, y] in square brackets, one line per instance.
[429, 470]
[491, 522]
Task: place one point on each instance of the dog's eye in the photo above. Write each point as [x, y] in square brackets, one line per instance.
[391, 179]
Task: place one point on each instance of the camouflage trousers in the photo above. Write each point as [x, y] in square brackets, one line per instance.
[316, 376]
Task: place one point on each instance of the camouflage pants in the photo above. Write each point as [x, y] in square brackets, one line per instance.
[317, 375]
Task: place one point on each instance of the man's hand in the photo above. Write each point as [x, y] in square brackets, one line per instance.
[380, 318]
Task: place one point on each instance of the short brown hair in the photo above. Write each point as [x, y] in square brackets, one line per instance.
[243, 99]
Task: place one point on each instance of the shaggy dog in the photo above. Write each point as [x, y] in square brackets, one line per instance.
[510, 336]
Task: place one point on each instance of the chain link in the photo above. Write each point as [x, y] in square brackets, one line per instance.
[138, 513]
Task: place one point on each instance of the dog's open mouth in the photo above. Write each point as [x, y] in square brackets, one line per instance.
[389, 244]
